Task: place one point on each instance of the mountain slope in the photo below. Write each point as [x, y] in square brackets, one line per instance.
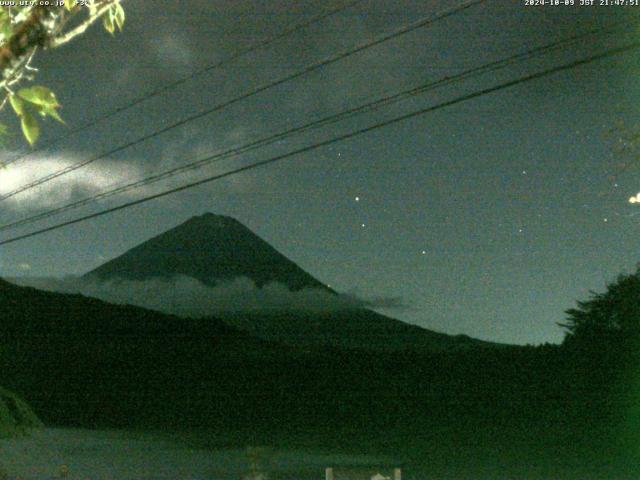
[208, 248]
[83, 362]
[213, 248]
[352, 329]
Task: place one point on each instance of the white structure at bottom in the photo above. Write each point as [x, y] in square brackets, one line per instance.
[359, 473]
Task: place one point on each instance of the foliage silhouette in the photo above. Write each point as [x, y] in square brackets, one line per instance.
[609, 320]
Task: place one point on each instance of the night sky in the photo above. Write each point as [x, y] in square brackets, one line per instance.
[488, 218]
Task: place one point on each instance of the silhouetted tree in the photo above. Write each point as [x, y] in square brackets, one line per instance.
[610, 319]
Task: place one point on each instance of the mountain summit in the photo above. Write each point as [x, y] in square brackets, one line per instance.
[209, 248]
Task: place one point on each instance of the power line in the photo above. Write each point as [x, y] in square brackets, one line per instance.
[402, 31]
[370, 106]
[463, 98]
[197, 73]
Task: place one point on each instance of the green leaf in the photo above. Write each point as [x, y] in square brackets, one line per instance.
[118, 15]
[107, 21]
[30, 127]
[69, 4]
[17, 104]
[39, 95]
[45, 111]
[53, 113]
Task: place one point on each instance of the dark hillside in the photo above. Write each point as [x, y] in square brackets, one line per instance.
[83, 362]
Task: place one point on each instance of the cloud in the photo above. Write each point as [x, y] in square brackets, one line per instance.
[186, 296]
[79, 183]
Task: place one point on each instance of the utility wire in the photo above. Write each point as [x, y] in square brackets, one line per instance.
[463, 98]
[402, 31]
[197, 73]
[377, 104]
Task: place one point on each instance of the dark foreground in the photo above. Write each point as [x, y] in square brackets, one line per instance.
[517, 412]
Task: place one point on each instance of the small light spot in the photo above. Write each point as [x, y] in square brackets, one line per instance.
[363, 225]
[606, 220]
[520, 230]
[357, 199]
[424, 252]
[524, 172]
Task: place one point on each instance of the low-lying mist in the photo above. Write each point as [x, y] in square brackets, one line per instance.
[186, 296]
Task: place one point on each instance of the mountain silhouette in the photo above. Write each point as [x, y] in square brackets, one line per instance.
[210, 248]
[213, 248]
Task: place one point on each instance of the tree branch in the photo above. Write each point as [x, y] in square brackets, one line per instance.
[80, 29]
[31, 33]
[42, 27]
